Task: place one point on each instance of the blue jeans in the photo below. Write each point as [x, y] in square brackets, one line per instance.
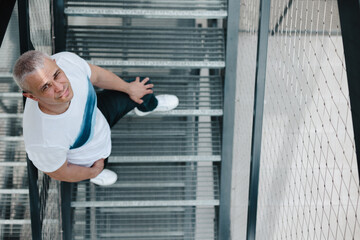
[114, 104]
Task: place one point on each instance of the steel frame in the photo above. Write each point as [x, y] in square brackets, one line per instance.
[229, 118]
[349, 11]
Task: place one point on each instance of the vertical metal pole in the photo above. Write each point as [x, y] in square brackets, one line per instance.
[34, 200]
[66, 209]
[59, 25]
[229, 117]
[24, 26]
[26, 45]
[261, 59]
[349, 11]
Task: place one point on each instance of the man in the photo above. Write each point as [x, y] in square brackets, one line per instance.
[66, 124]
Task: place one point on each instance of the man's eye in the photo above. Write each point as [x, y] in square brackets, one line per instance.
[45, 87]
[56, 75]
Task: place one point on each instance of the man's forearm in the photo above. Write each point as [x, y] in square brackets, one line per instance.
[74, 173]
[105, 79]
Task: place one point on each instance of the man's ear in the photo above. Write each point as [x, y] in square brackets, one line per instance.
[29, 95]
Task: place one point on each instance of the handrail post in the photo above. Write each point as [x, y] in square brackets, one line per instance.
[66, 209]
[232, 41]
[25, 45]
[259, 97]
[34, 200]
[59, 26]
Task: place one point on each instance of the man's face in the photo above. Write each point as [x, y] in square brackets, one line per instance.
[49, 85]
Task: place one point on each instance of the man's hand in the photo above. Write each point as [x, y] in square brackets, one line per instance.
[98, 166]
[137, 89]
[105, 79]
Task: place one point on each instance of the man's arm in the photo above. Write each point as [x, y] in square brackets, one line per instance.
[73, 173]
[105, 79]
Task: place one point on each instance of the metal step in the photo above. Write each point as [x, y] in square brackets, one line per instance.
[149, 9]
[12, 164]
[127, 204]
[167, 136]
[197, 93]
[18, 221]
[143, 223]
[148, 47]
[179, 113]
[15, 229]
[11, 95]
[13, 180]
[154, 159]
[5, 75]
[11, 126]
[14, 205]
[180, 184]
[10, 100]
[12, 153]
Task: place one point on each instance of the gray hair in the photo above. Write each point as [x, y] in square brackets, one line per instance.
[27, 64]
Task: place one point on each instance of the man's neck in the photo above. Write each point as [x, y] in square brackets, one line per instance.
[54, 110]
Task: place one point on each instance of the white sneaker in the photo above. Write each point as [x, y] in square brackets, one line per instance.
[166, 102]
[105, 178]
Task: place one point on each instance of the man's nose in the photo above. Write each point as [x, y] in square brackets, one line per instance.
[58, 87]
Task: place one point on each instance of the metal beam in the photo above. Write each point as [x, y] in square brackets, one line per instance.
[24, 26]
[229, 118]
[59, 25]
[259, 96]
[66, 210]
[34, 200]
[26, 45]
[349, 11]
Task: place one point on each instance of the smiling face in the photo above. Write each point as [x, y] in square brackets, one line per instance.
[50, 87]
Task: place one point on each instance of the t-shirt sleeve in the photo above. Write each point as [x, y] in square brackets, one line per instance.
[75, 60]
[47, 159]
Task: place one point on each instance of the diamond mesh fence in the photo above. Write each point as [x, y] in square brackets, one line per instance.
[40, 25]
[309, 183]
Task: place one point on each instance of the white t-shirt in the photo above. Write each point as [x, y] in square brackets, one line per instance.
[48, 137]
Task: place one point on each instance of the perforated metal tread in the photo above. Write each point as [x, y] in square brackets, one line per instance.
[13, 180]
[149, 9]
[198, 95]
[183, 184]
[156, 223]
[15, 212]
[194, 92]
[167, 136]
[148, 47]
[15, 229]
[11, 126]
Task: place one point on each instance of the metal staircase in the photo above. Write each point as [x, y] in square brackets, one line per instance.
[168, 164]
[14, 193]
